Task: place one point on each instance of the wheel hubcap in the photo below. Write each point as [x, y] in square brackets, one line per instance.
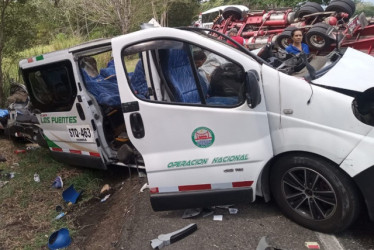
[309, 194]
[317, 41]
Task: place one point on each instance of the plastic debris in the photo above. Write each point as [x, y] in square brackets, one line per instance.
[145, 186]
[264, 245]
[60, 215]
[312, 245]
[191, 212]
[58, 183]
[105, 198]
[36, 177]
[105, 188]
[59, 239]
[207, 212]
[19, 151]
[70, 194]
[167, 239]
[218, 217]
[233, 210]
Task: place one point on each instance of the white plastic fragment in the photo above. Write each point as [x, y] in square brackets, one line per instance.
[218, 217]
[36, 177]
[233, 210]
[145, 186]
[105, 198]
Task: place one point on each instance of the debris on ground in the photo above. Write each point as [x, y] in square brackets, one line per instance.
[58, 183]
[191, 212]
[208, 211]
[264, 245]
[233, 210]
[105, 198]
[59, 239]
[36, 177]
[60, 215]
[19, 151]
[218, 217]
[105, 188]
[144, 187]
[167, 239]
[312, 245]
[71, 195]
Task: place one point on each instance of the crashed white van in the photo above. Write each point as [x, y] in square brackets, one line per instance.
[217, 131]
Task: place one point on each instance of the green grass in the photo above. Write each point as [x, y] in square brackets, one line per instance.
[32, 203]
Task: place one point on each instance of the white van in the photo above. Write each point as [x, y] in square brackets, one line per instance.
[207, 18]
[245, 129]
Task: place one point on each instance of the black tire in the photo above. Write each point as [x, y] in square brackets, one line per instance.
[321, 25]
[317, 38]
[308, 8]
[315, 193]
[349, 2]
[339, 6]
[232, 11]
[283, 39]
[315, 5]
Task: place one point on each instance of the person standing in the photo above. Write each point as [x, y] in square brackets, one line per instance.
[297, 46]
[233, 33]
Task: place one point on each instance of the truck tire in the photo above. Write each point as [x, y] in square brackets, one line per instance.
[349, 2]
[232, 11]
[340, 6]
[315, 193]
[308, 8]
[317, 38]
[321, 25]
[283, 39]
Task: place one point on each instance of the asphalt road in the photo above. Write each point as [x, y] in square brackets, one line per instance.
[243, 230]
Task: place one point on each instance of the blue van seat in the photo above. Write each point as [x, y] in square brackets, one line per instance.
[138, 81]
[177, 69]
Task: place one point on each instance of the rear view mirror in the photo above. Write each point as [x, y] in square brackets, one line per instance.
[252, 89]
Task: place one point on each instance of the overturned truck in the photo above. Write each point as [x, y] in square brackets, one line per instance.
[323, 29]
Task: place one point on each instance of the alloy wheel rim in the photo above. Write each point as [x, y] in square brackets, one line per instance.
[309, 194]
[317, 41]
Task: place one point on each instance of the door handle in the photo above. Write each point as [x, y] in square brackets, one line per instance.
[137, 127]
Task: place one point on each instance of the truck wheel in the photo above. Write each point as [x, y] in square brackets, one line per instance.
[339, 6]
[317, 38]
[314, 193]
[349, 2]
[283, 39]
[232, 11]
[308, 8]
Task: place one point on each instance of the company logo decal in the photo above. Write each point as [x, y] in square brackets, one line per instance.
[203, 137]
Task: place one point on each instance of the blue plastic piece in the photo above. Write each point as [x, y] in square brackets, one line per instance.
[3, 112]
[59, 239]
[70, 194]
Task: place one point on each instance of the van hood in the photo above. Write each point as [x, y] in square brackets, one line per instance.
[354, 71]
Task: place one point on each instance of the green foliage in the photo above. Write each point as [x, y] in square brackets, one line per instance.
[367, 8]
[182, 14]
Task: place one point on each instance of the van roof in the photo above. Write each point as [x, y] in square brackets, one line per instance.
[241, 7]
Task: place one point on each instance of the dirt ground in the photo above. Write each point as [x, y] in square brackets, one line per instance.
[99, 224]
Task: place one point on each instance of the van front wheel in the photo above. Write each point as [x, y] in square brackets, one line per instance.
[314, 193]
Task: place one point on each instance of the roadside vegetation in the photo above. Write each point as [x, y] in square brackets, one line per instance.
[28, 208]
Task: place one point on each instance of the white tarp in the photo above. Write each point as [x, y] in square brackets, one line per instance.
[355, 71]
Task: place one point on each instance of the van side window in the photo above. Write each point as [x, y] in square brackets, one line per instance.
[52, 87]
[178, 72]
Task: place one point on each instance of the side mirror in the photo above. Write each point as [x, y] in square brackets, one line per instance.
[252, 89]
